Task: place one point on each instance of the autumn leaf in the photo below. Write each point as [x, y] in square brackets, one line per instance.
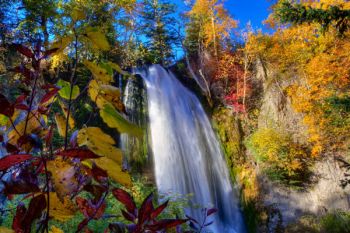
[65, 90]
[6, 107]
[61, 210]
[99, 143]
[99, 73]
[6, 230]
[114, 170]
[89, 209]
[104, 94]
[97, 38]
[61, 124]
[12, 160]
[115, 120]
[63, 177]
[78, 14]
[55, 229]
[71, 122]
[61, 44]
[78, 153]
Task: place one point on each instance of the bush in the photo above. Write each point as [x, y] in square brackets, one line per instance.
[281, 159]
[338, 222]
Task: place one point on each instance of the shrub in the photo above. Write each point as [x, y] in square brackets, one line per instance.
[281, 159]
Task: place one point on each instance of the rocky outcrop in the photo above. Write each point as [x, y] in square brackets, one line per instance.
[276, 109]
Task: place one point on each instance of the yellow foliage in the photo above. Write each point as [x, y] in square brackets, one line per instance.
[114, 170]
[61, 44]
[115, 120]
[99, 143]
[63, 177]
[99, 73]
[277, 152]
[55, 230]
[6, 230]
[98, 39]
[61, 124]
[61, 210]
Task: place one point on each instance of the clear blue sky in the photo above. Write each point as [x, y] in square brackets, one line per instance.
[254, 11]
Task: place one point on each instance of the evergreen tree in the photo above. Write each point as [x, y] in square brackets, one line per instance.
[156, 18]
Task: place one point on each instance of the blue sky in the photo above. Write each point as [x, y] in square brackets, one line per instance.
[254, 11]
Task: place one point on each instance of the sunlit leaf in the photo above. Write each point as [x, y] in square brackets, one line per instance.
[61, 124]
[99, 73]
[98, 39]
[117, 68]
[102, 94]
[66, 89]
[78, 14]
[55, 230]
[61, 44]
[99, 143]
[115, 120]
[61, 210]
[3, 120]
[114, 170]
[63, 177]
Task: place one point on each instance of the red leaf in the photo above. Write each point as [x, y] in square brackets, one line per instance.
[20, 99]
[20, 188]
[11, 148]
[96, 190]
[146, 209]
[18, 218]
[99, 174]
[36, 206]
[79, 153]
[128, 216]
[212, 211]
[6, 107]
[48, 137]
[11, 160]
[159, 210]
[125, 198]
[24, 50]
[49, 95]
[165, 224]
[21, 107]
[89, 210]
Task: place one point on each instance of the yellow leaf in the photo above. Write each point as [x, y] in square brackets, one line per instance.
[63, 177]
[99, 73]
[55, 230]
[102, 94]
[99, 143]
[32, 126]
[78, 14]
[61, 44]
[115, 120]
[114, 170]
[97, 38]
[6, 230]
[61, 125]
[61, 210]
[3, 120]
[117, 68]
[71, 121]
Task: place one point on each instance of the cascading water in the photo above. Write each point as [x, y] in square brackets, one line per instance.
[187, 155]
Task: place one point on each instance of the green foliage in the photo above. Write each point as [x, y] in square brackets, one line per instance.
[281, 159]
[298, 14]
[338, 222]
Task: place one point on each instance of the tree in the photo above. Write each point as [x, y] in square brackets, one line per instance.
[157, 16]
[287, 12]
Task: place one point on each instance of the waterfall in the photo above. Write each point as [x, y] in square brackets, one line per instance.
[187, 155]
